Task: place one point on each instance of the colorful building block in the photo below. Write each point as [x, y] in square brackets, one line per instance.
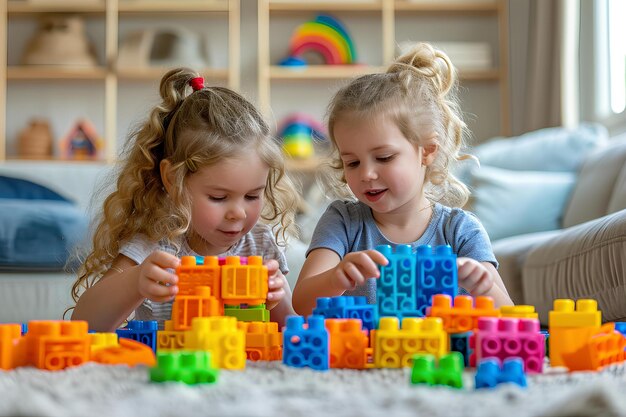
[519, 312]
[349, 344]
[603, 348]
[128, 352]
[570, 327]
[462, 316]
[395, 347]
[221, 336]
[306, 346]
[9, 336]
[99, 341]
[491, 372]
[448, 372]
[346, 307]
[170, 339]
[263, 340]
[460, 342]
[190, 367]
[506, 337]
[251, 313]
[437, 273]
[244, 284]
[141, 331]
[192, 274]
[201, 304]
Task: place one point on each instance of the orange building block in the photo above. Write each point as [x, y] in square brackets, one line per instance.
[201, 304]
[129, 352]
[463, 315]
[244, 284]
[55, 345]
[519, 312]
[263, 340]
[170, 339]
[604, 348]
[571, 328]
[349, 345]
[10, 334]
[191, 276]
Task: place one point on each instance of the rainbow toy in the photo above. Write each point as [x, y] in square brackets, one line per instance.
[325, 35]
[298, 131]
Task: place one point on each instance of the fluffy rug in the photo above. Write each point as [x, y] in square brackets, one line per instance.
[271, 389]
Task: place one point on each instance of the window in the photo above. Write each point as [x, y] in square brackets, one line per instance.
[617, 54]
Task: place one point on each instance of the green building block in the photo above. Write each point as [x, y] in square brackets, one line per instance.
[256, 313]
[190, 367]
[449, 372]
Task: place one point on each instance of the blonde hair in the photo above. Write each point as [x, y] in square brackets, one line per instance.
[418, 92]
[191, 129]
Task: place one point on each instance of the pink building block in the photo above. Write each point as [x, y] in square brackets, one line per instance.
[509, 337]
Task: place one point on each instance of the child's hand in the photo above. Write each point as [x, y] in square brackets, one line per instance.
[276, 283]
[356, 267]
[474, 277]
[155, 282]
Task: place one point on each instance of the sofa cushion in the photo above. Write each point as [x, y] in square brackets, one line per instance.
[511, 203]
[596, 183]
[17, 188]
[584, 261]
[618, 198]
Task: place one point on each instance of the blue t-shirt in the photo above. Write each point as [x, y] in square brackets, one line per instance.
[348, 226]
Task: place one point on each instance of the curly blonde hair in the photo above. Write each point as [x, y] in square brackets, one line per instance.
[418, 92]
[191, 129]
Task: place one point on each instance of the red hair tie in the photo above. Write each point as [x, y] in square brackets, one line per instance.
[197, 83]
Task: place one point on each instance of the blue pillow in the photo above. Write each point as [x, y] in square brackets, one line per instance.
[17, 188]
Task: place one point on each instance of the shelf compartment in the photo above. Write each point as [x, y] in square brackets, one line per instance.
[184, 6]
[460, 7]
[156, 73]
[55, 73]
[291, 5]
[310, 72]
[61, 6]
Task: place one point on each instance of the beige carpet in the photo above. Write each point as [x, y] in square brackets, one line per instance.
[271, 389]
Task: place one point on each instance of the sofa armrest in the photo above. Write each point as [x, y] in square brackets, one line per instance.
[584, 261]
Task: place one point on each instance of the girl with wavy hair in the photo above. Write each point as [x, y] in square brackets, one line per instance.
[202, 176]
[394, 137]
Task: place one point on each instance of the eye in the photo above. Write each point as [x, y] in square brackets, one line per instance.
[217, 198]
[385, 158]
[252, 197]
[351, 164]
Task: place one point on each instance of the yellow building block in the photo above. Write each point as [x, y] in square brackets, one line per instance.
[221, 336]
[102, 340]
[170, 339]
[571, 328]
[394, 347]
[244, 284]
[519, 312]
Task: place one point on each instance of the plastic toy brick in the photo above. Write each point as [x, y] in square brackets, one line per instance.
[604, 348]
[349, 344]
[263, 340]
[506, 337]
[170, 339]
[244, 284]
[448, 372]
[396, 288]
[201, 304]
[9, 335]
[546, 335]
[491, 372]
[141, 331]
[620, 326]
[252, 313]
[394, 347]
[221, 336]
[99, 341]
[459, 342]
[56, 345]
[129, 352]
[519, 312]
[24, 328]
[462, 316]
[306, 346]
[192, 275]
[193, 367]
[346, 307]
[437, 273]
[570, 328]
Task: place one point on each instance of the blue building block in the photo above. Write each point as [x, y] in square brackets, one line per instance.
[490, 372]
[141, 331]
[459, 342]
[24, 328]
[306, 347]
[436, 273]
[620, 326]
[346, 307]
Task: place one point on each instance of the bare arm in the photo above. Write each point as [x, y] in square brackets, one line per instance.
[324, 274]
[482, 278]
[284, 308]
[498, 292]
[112, 299]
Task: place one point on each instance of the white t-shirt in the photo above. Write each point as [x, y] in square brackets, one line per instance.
[257, 242]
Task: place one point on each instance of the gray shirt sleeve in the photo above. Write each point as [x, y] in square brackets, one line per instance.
[332, 230]
[469, 237]
[138, 248]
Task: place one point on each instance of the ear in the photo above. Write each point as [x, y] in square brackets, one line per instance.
[165, 167]
[429, 153]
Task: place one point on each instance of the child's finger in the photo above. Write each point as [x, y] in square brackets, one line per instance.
[162, 276]
[377, 257]
[276, 283]
[272, 266]
[343, 280]
[354, 273]
[157, 290]
[276, 295]
[366, 265]
[164, 259]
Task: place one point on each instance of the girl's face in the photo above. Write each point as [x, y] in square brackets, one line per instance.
[227, 199]
[382, 168]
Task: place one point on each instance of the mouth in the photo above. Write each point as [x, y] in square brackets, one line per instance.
[375, 195]
[230, 233]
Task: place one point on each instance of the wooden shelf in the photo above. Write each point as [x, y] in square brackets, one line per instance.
[61, 6]
[313, 5]
[309, 165]
[157, 73]
[460, 7]
[55, 73]
[181, 6]
[56, 161]
[320, 72]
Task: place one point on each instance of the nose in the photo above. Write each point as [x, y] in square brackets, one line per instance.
[368, 172]
[236, 212]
